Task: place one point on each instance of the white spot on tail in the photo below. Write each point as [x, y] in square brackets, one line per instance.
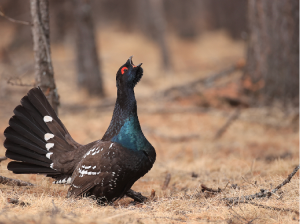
[111, 145]
[63, 181]
[48, 119]
[49, 146]
[51, 165]
[48, 136]
[48, 156]
[69, 180]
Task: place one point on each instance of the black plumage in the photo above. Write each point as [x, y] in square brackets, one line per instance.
[38, 142]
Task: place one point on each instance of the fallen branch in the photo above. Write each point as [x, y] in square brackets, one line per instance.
[167, 181]
[204, 188]
[207, 81]
[272, 208]
[137, 196]
[231, 119]
[17, 82]
[180, 138]
[262, 193]
[17, 202]
[14, 20]
[14, 182]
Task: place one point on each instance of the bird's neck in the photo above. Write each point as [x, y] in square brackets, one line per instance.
[125, 127]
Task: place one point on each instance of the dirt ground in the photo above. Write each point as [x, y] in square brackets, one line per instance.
[257, 151]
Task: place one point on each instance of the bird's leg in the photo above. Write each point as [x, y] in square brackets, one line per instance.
[137, 196]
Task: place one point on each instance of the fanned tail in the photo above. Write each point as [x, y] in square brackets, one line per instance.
[38, 141]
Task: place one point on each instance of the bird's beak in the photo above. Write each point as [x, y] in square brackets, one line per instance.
[130, 59]
[131, 63]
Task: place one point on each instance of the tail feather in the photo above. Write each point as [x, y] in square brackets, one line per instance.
[21, 167]
[42, 105]
[12, 147]
[14, 136]
[37, 140]
[37, 117]
[59, 144]
[21, 113]
[18, 157]
[56, 129]
[15, 124]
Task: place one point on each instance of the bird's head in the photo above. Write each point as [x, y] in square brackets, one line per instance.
[129, 74]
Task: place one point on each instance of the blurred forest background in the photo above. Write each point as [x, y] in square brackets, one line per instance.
[218, 100]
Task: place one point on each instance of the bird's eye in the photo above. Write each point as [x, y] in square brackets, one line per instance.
[123, 70]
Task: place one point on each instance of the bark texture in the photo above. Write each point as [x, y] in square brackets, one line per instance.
[187, 13]
[44, 75]
[152, 21]
[87, 61]
[230, 15]
[273, 50]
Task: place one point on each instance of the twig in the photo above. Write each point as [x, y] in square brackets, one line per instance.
[204, 188]
[18, 82]
[287, 180]
[17, 202]
[262, 193]
[207, 81]
[167, 181]
[55, 209]
[231, 119]
[14, 20]
[137, 196]
[180, 138]
[152, 196]
[14, 182]
[3, 158]
[271, 207]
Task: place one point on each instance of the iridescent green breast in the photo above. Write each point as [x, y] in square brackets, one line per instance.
[131, 136]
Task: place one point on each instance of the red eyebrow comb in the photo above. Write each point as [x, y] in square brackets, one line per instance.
[123, 70]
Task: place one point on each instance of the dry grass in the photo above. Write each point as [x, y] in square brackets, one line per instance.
[258, 151]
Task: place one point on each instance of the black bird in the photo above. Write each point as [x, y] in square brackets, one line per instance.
[107, 168]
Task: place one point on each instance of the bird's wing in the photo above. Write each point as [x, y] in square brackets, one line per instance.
[101, 166]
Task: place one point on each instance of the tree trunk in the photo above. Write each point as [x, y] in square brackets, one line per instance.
[61, 20]
[88, 73]
[188, 13]
[159, 22]
[153, 23]
[273, 49]
[44, 76]
[230, 15]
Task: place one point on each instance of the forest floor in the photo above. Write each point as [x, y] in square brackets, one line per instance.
[257, 151]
